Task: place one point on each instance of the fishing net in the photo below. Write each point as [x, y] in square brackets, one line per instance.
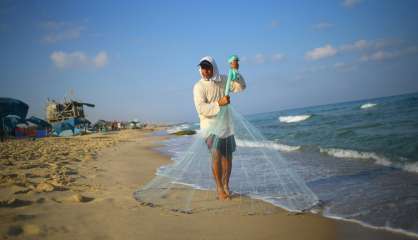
[260, 176]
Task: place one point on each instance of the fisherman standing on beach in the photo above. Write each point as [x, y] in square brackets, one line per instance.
[209, 96]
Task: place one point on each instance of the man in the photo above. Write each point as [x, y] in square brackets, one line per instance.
[209, 97]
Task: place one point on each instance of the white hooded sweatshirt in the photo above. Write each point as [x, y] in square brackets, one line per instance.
[207, 92]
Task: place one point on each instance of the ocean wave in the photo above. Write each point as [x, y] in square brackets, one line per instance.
[266, 144]
[368, 105]
[365, 224]
[378, 159]
[178, 128]
[295, 118]
[411, 167]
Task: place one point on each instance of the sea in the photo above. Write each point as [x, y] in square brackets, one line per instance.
[360, 157]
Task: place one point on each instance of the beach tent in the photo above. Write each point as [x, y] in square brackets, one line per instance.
[40, 122]
[42, 128]
[134, 124]
[100, 125]
[81, 125]
[10, 106]
[9, 124]
[25, 129]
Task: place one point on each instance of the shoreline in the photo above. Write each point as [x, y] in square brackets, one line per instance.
[107, 209]
[391, 230]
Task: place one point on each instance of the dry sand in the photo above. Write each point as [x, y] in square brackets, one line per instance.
[81, 188]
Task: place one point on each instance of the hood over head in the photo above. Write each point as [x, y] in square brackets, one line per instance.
[216, 76]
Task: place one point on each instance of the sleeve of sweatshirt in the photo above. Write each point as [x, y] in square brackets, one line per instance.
[202, 107]
[239, 84]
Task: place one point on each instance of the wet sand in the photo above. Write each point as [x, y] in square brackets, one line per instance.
[81, 188]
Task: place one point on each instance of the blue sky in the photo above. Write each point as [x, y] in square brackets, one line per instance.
[137, 59]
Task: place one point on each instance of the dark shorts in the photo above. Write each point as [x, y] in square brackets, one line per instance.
[224, 145]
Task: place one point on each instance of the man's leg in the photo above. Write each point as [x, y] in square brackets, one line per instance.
[217, 173]
[226, 171]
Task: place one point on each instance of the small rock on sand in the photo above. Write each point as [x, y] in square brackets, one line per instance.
[80, 198]
[45, 187]
[31, 229]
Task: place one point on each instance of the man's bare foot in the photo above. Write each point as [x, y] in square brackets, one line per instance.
[226, 190]
[222, 195]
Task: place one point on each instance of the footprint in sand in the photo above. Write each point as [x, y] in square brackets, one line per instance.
[40, 200]
[31, 175]
[14, 202]
[24, 217]
[30, 166]
[15, 230]
[22, 191]
[26, 230]
[76, 198]
[80, 198]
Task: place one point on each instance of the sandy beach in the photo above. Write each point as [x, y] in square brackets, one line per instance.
[81, 188]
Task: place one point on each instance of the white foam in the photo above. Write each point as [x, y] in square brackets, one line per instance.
[368, 105]
[378, 159]
[386, 228]
[411, 167]
[178, 128]
[348, 153]
[195, 186]
[267, 144]
[295, 118]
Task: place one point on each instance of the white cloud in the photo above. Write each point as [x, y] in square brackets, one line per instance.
[260, 58]
[357, 45]
[321, 52]
[322, 26]
[350, 3]
[60, 31]
[278, 57]
[54, 25]
[78, 59]
[101, 59]
[68, 34]
[383, 43]
[381, 55]
[316, 68]
[339, 64]
[345, 66]
[370, 44]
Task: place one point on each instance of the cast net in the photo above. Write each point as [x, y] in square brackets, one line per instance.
[261, 178]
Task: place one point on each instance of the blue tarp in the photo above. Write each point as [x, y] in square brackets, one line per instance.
[42, 124]
[70, 125]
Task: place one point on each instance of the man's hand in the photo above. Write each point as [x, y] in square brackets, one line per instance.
[224, 101]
